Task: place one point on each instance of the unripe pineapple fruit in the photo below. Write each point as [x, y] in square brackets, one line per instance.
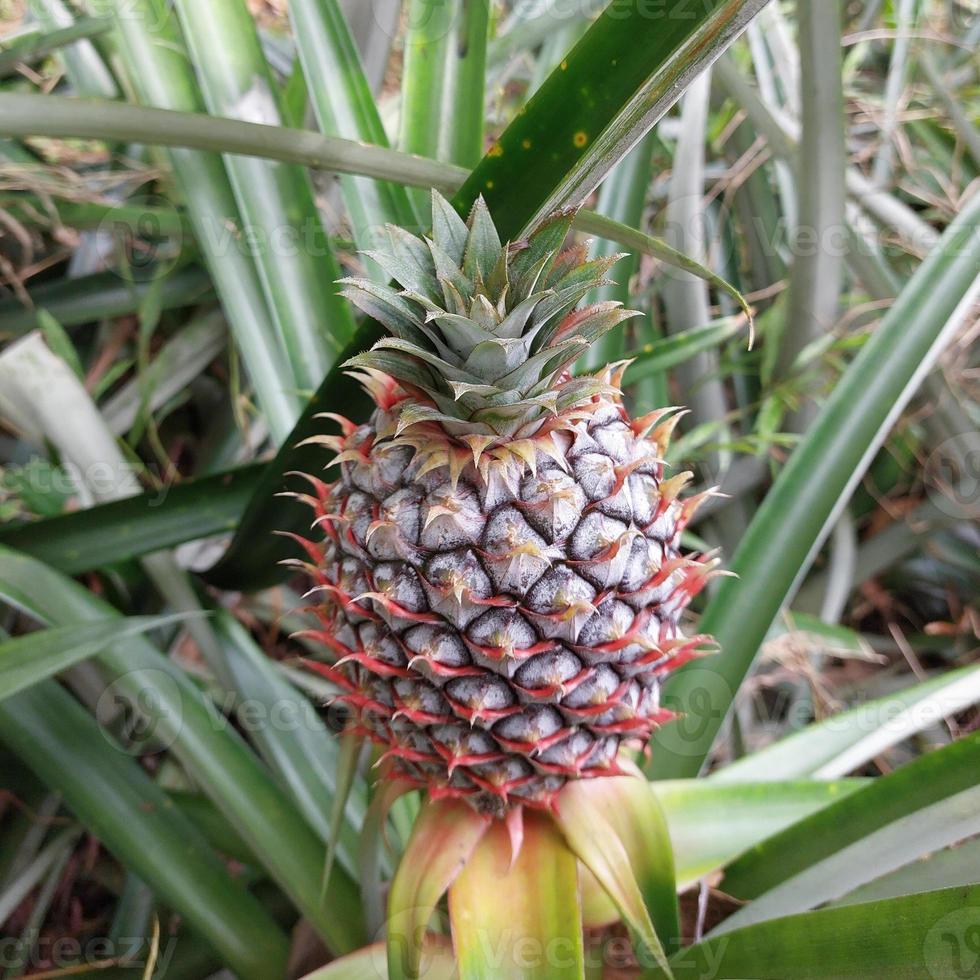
[498, 565]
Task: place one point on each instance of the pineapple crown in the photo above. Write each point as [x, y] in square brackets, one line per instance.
[483, 332]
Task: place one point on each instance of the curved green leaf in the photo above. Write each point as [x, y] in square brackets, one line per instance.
[634, 812]
[175, 714]
[927, 804]
[587, 819]
[122, 806]
[626, 72]
[815, 485]
[26, 660]
[597, 224]
[136, 526]
[840, 744]
[933, 935]
[445, 835]
[622, 198]
[711, 825]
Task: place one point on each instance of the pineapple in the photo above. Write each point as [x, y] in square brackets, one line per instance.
[498, 564]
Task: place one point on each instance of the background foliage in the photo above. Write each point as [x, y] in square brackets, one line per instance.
[170, 775]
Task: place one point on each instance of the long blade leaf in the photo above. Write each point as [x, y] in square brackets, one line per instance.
[630, 67]
[119, 803]
[908, 938]
[176, 713]
[27, 660]
[816, 484]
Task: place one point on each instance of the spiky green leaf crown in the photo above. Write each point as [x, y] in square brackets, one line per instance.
[483, 330]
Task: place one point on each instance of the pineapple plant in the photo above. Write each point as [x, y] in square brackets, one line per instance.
[498, 566]
[498, 578]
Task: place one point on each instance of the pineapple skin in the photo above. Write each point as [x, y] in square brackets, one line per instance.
[503, 624]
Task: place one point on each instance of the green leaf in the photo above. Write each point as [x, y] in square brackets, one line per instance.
[445, 835]
[26, 660]
[101, 296]
[83, 64]
[213, 826]
[174, 712]
[344, 765]
[817, 274]
[129, 528]
[634, 812]
[59, 341]
[345, 107]
[667, 352]
[34, 47]
[290, 735]
[840, 744]
[588, 818]
[55, 115]
[711, 825]
[953, 866]
[622, 198]
[931, 935]
[597, 224]
[816, 484]
[112, 795]
[927, 804]
[626, 72]
[369, 963]
[39, 487]
[294, 257]
[161, 74]
[250, 563]
[516, 913]
[443, 79]
[179, 361]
